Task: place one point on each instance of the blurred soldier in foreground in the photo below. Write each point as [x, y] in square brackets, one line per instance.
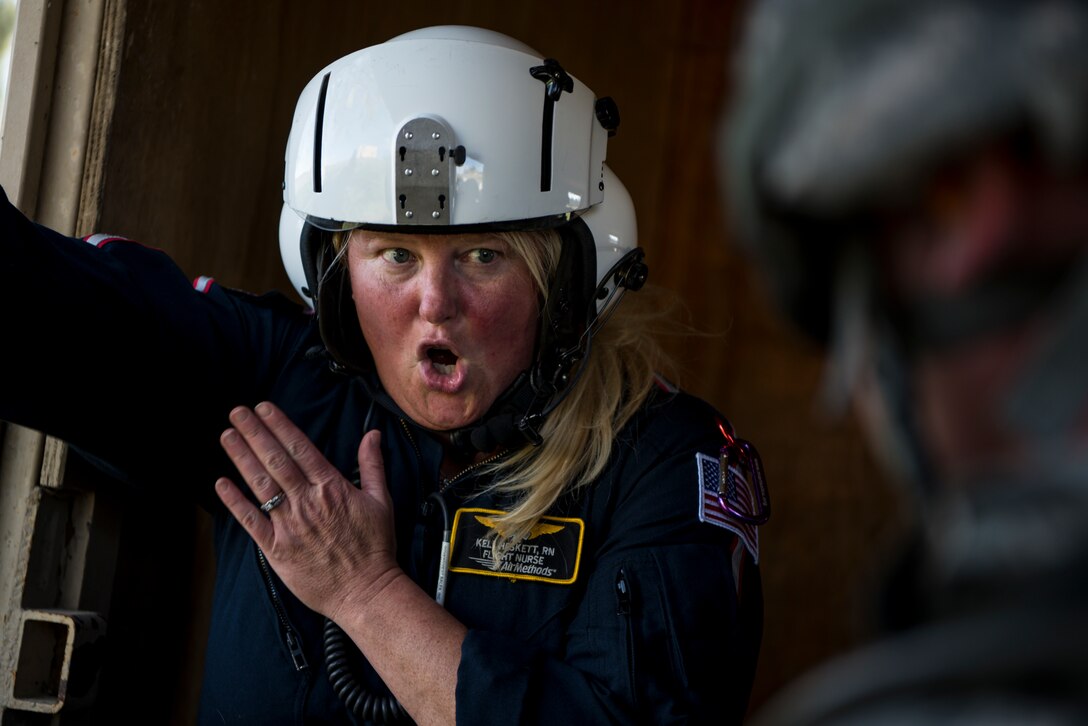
[913, 178]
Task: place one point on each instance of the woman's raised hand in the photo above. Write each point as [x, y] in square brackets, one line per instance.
[330, 543]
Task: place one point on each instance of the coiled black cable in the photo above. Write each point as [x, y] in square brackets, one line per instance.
[342, 658]
[375, 708]
[342, 664]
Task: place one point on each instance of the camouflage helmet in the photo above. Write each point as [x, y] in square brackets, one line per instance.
[841, 104]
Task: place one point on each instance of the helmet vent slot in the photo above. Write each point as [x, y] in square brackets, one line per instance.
[555, 81]
[319, 125]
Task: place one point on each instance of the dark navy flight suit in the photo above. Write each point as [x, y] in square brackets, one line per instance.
[653, 616]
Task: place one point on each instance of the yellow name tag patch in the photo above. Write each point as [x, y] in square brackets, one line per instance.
[551, 552]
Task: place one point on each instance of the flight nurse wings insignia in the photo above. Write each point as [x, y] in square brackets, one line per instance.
[551, 552]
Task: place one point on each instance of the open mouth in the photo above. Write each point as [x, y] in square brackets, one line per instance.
[443, 360]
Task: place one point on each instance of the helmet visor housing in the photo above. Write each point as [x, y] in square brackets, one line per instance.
[448, 126]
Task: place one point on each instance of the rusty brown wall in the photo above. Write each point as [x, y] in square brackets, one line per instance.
[206, 93]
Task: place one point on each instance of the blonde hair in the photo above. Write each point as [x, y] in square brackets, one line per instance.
[579, 434]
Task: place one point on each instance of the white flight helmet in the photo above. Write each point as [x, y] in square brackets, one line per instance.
[445, 126]
[459, 129]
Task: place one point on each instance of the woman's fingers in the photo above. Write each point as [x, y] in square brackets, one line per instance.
[371, 468]
[260, 457]
[240, 450]
[313, 465]
[258, 526]
[273, 454]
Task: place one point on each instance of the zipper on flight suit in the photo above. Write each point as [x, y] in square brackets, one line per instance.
[624, 609]
[446, 483]
[294, 643]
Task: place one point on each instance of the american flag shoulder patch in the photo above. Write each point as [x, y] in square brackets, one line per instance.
[711, 510]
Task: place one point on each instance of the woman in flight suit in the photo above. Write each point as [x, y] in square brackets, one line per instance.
[533, 528]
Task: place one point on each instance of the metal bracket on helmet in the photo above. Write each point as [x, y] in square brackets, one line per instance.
[425, 159]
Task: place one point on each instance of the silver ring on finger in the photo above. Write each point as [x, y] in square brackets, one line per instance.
[274, 502]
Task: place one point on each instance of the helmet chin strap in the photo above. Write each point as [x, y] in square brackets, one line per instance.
[509, 422]
[514, 419]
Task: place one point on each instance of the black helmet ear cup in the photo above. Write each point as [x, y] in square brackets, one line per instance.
[337, 318]
[568, 311]
[310, 241]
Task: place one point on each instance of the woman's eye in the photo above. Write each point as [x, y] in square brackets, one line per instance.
[484, 256]
[397, 255]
